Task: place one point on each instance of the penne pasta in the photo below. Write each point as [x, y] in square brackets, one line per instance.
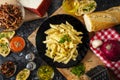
[61, 42]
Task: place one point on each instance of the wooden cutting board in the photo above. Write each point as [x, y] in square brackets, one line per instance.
[28, 16]
[90, 60]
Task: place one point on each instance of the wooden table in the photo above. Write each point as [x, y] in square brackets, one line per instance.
[90, 60]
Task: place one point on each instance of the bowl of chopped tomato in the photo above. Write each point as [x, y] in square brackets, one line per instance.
[17, 44]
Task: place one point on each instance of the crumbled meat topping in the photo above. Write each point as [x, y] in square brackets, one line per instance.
[10, 16]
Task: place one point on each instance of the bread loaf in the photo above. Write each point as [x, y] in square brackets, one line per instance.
[103, 19]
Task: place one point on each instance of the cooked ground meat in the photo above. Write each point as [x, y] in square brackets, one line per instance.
[10, 16]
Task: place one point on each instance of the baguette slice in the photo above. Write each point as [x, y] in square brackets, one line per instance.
[23, 74]
[103, 19]
[115, 11]
[4, 47]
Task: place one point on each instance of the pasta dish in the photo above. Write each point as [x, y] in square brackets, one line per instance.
[61, 42]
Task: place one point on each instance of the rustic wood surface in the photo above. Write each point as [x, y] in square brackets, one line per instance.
[90, 60]
[29, 16]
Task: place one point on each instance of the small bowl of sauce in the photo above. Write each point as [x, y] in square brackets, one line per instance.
[45, 72]
[8, 69]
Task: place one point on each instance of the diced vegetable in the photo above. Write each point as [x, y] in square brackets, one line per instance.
[17, 44]
[111, 49]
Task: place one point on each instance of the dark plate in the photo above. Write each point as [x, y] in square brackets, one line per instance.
[58, 19]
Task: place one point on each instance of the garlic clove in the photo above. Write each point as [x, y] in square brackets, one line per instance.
[97, 43]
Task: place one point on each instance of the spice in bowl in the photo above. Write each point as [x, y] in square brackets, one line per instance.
[8, 69]
[11, 17]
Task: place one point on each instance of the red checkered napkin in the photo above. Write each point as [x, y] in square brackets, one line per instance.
[104, 35]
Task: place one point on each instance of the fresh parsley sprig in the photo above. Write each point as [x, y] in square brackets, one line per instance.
[65, 38]
[78, 70]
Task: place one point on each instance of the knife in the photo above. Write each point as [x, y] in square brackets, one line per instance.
[117, 28]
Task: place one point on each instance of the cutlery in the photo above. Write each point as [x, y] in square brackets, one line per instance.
[117, 28]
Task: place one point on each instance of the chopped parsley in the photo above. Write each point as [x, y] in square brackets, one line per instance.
[78, 70]
[2, 35]
[89, 7]
[7, 34]
[65, 38]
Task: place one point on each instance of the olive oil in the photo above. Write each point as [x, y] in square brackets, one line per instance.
[70, 6]
[45, 72]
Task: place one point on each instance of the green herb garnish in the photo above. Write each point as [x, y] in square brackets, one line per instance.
[7, 34]
[2, 35]
[89, 7]
[78, 70]
[64, 38]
